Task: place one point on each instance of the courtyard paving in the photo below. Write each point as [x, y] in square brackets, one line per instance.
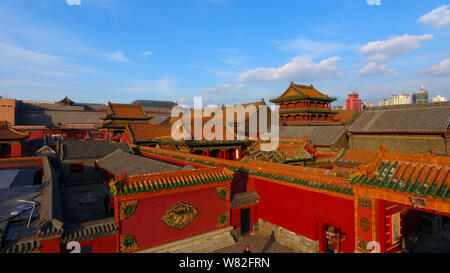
[258, 244]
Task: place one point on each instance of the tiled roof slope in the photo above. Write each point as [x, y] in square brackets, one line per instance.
[149, 132]
[89, 149]
[288, 150]
[121, 162]
[298, 91]
[314, 178]
[429, 117]
[124, 185]
[420, 175]
[25, 117]
[126, 111]
[243, 199]
[318, 135]
[155, 103]
[11, 134]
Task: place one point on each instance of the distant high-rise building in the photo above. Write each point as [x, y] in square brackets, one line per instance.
[398, 99]
[383, 102]
[420, 96]
[439, 98]
[338, 107]
[353, 102]
[369, 104]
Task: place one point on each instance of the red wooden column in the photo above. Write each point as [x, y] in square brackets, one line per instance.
[225, 156]
[207, 152]
[16, 149]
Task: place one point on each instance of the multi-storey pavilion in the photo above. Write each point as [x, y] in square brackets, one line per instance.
[118, 116]
[302, 104]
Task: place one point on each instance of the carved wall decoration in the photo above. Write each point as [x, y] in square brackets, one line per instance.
[179, 215]
[223, 192]
[128, 243]
[127, 209]
[222, 221]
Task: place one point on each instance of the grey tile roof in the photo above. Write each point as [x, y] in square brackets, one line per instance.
[160, 118]
[54, 117]
[119, 162]
[318, 135]
[244, 199]
[155, 103]
[45, 151]
[430, 117]
[89, 149]
[91, 230]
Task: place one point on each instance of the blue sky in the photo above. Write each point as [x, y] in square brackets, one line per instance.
[228, 51]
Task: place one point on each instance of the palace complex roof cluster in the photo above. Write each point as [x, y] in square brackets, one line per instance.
[128, 175]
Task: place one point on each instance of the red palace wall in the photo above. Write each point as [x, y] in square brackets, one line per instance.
[236, 216]
[305, 212]
[102, 245]
[148, 229]
[50, 246]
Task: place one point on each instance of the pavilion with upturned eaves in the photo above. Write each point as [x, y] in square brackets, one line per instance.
[302, 104]
[120, 115]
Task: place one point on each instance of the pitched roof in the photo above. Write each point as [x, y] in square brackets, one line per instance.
[428, 117]
[45, 151]
[124, 185]
[47, 117]
[148, 133]
[7, 133]
[126, 111]
[121, 162]
[313, 178]
[318, 135]
[408, 174]
[155, 103]
[298, 91]
[244, 199]
[89, 149]
[345, 116]
[66, 101]
[288, 150]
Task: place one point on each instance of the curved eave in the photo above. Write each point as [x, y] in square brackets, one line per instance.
[290, 98]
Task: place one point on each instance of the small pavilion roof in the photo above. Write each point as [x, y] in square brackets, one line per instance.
[298, 91]
[126, 111]
[7, 133]
[66, 101]
[288, 150]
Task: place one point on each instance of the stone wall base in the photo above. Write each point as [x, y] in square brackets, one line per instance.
[203, 243]
[287, 238]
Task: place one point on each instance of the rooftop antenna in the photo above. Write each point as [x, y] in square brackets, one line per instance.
[32, 210]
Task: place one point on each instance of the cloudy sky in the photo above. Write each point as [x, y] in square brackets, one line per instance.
[228, 51]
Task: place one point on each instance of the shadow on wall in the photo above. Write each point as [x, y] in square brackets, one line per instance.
[239, 183]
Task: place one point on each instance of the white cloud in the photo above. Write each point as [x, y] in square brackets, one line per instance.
[298, 69]
[373, 2]
[372, 69]
[438, 17]
[231, 56]
[73, 2]
[442, 68]
[229, 85]
[380, 51]
[148, 53]
[117, 56]
[308, 47]
[16, 58]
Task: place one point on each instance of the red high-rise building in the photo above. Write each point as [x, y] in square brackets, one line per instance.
[353, 102]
